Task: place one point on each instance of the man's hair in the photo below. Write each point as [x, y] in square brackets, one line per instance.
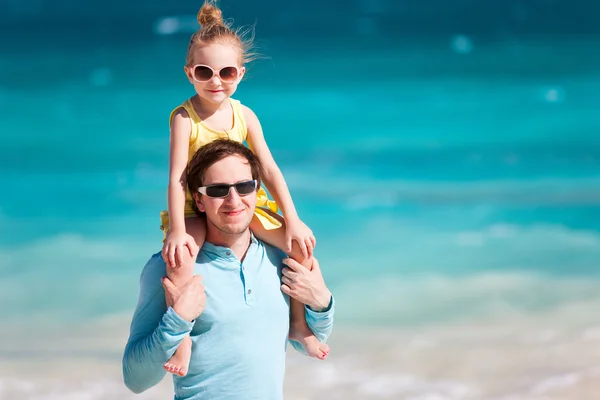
[213, 152]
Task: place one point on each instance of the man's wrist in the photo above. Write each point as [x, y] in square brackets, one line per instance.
[323, 303]
[175, 321]
[182, 315]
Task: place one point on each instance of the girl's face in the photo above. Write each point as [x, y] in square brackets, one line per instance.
[215, 72]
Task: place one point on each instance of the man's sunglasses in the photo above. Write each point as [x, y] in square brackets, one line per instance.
[221, 190]
[204, 73]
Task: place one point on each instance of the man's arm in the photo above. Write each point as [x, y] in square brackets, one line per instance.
[155, 332]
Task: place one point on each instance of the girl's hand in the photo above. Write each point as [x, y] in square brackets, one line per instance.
[298, 231]
[175, 244]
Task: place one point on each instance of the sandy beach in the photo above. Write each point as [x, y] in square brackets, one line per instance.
[551, 356]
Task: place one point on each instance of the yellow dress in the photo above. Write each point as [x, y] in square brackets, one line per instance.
[202, 134]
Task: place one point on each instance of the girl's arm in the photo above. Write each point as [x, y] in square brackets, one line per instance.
[177, 237]
[275, 183]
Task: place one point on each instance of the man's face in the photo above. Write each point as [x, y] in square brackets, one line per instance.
[231, 214]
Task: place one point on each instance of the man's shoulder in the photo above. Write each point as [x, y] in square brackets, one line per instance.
[155, 268]
[272, 253]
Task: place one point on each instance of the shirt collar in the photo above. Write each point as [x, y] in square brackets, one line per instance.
[225, 253]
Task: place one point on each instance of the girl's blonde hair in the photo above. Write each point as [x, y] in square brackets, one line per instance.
[213, 29]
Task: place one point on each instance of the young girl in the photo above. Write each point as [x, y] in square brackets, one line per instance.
[214, 66]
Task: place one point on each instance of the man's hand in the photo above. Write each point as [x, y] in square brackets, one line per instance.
[305, 285]
[188, 301]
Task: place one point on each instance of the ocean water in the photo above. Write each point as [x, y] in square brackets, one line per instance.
[453, 186]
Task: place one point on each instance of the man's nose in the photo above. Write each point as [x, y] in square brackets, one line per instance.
[232, 197]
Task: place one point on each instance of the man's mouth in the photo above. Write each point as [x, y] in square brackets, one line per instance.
[233, 213]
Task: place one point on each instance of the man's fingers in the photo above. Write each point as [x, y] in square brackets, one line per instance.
[289, 273]
[286, 289]
[286, 280]
[293, 264]
[167, 284]
[196, 281]
[286, 272]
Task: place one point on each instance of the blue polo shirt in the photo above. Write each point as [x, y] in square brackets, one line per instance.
[239, 341]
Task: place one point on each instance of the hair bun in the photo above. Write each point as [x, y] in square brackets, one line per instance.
[210, 14]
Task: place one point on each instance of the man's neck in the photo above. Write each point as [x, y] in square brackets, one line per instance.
[238, 243]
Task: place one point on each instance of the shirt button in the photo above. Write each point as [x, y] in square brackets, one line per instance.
[228, 253]
[249, 291]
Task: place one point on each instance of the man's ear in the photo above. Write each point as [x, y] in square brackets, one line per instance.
[198, 199]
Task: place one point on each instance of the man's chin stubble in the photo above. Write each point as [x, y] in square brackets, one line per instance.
[230, 230]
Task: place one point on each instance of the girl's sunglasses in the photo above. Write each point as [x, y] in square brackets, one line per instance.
[204, 73]
[222, 189]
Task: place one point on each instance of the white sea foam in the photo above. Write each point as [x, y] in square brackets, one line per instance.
[429, 298]
[407, 283]
[556, 382]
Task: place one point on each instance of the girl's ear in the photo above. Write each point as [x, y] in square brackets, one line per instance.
[188, 73]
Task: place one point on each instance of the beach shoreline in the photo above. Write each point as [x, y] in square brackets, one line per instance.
[554, 355]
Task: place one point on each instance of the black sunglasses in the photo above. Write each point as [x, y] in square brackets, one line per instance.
[221, 190]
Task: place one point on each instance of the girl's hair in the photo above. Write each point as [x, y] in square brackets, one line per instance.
[213, 29]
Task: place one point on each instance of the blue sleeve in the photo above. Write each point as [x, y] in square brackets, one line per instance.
[320, 323]
[155, 331]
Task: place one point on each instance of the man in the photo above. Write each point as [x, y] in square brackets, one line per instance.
[235, 308]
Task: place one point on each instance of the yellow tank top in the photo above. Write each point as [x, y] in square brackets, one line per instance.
[200, 135]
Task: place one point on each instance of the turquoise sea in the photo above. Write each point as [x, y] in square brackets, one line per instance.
[451, 182]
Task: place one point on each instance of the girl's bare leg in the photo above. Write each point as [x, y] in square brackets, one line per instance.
[299, 330]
